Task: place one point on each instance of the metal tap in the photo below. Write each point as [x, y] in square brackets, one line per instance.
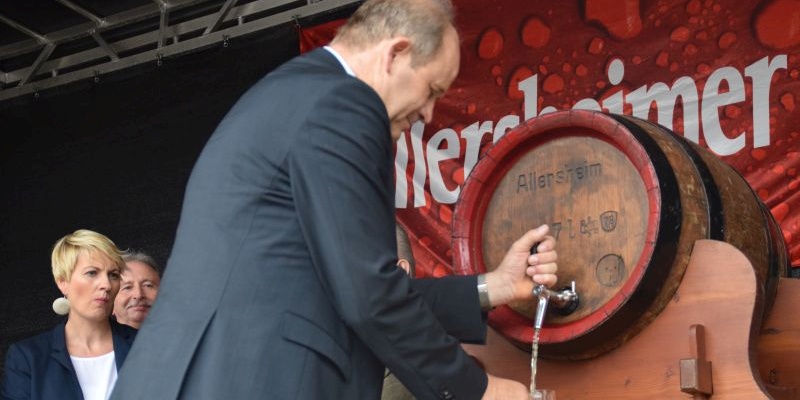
[565, 301]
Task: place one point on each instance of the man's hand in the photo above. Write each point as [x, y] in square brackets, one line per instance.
[504, 389]
[511, 281]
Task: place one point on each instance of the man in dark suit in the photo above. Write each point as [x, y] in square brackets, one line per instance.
[282, 281]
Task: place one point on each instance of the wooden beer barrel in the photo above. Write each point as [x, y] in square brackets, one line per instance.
[626, 200]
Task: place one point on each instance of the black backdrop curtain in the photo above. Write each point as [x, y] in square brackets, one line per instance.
[111, 156]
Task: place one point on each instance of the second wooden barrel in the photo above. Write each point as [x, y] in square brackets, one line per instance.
[626, 200]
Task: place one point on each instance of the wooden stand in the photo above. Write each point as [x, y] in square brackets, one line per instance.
[700, 346]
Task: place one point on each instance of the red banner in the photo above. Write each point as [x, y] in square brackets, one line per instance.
[722, 73]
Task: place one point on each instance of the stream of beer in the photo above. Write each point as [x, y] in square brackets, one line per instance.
[534, 356]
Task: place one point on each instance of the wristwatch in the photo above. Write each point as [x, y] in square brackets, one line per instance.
[483, 293]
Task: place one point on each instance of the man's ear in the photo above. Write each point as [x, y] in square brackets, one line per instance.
[399, 46]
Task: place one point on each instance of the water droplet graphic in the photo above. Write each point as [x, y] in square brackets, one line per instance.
[727, 40]
[787, 100]
[520, 74]
[758, 154]
[662, 59]
[680, 34]
[553, 84]
[543, 69]
[439, 271]
[490, 44]
[780, 211]
[596, 46]
[693, 7]
[778, 24]
[619, 17]
[535, 33]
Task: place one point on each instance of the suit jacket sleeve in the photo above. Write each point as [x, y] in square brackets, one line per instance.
[341, 176]
[17, 378]
[454, 299]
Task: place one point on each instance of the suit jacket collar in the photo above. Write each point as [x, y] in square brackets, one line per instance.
[122, 337]
[58, 344]
[322, 56]
[341, 61]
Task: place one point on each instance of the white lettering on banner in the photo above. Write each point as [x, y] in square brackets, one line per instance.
[725, 86]
[400, 179]
[436, 155]
[420, 170]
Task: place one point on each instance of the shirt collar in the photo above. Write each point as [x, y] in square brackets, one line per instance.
[341, 61]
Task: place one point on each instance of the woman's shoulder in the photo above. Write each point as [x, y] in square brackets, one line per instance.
[40, 343]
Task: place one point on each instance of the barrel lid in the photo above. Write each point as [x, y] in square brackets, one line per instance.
[589, 178]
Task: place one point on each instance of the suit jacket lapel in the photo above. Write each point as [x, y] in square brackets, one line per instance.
[122, 343]
[61, 355]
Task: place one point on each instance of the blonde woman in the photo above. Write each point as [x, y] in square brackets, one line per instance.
[79, 358]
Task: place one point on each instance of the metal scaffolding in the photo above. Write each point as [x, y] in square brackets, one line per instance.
[145, 31]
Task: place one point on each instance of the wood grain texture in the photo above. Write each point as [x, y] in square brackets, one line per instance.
[718, 291]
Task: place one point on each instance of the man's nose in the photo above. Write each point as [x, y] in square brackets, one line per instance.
[427, 111]
[136, 293]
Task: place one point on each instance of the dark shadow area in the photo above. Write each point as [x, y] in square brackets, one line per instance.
[111, 155]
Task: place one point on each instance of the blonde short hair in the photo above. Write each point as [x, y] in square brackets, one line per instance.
[422, 21]
[66, 251]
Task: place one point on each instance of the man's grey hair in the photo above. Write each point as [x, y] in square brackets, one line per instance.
[423, 21]
[142, 257]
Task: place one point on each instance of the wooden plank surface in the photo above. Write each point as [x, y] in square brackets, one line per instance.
[719, 292]
[778, 345]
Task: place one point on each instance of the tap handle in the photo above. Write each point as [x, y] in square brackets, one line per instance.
[542, 293]
[539, 290]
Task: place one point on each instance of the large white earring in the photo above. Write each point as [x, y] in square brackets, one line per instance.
[61, 306]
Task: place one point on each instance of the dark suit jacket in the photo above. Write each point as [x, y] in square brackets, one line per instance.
[282, 281]
[39, 368]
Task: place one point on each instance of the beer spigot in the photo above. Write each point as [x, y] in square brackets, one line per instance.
[565, 301]
[543, 294]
